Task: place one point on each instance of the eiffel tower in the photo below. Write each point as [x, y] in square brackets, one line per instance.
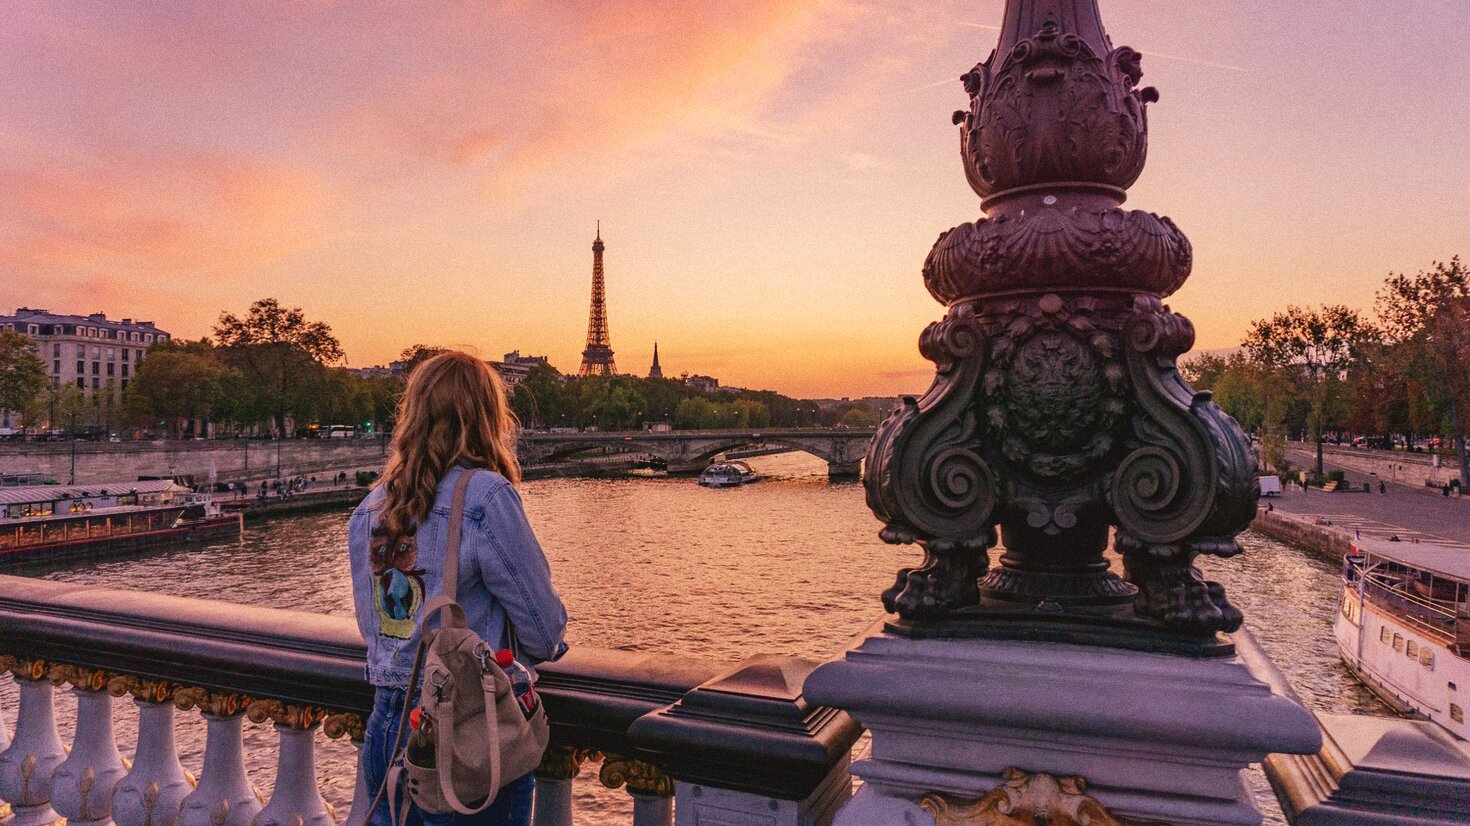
[597, 359]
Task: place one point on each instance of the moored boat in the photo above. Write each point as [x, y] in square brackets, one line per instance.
[46, 522]
[1404, 627]
[727, 475]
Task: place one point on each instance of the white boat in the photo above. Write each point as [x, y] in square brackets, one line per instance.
[1404, 627]
[727, 475]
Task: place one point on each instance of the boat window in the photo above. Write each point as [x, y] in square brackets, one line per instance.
[1411, 649]
[1398, 642]
[1383, 633]
[27, 509]
[1426, 657]
[1456, 713]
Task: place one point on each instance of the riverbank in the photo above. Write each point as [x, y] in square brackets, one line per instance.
[1327, 540]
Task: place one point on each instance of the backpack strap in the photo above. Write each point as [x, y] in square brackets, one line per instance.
[444, 754]
[451, 547]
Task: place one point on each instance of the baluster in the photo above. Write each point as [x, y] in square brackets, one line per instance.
[559, 767]
[81, 788]
[153, 789]
[296, 800]
[32, 757]
[652, 790]
[224, 796]
[352, 726]
[4, 744]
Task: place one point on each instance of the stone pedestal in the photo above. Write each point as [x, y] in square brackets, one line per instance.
[1156, 737]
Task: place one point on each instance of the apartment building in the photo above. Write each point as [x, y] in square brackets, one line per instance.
[93, 352]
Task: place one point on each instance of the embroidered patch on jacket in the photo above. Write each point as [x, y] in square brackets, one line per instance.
[398, 590]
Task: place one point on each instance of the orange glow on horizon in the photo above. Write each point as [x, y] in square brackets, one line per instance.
[770, 174]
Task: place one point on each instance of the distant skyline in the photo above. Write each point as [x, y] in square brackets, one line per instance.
[769, 174]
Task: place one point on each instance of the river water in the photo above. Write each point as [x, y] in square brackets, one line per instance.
[791, 565]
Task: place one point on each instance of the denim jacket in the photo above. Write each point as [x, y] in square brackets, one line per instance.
[502, 574]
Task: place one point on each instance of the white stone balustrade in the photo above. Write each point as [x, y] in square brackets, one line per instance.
[82, 787]
[27, 765]
[224, 796]
[154, 788]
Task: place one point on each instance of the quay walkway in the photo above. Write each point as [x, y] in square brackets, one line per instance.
[1406, 510]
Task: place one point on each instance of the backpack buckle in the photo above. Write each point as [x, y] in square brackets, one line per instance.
[485, 659]
[438, 680]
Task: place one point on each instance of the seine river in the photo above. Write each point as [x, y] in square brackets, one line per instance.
[791, 565]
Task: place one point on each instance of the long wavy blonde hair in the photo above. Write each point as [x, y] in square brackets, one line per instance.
[453, 411]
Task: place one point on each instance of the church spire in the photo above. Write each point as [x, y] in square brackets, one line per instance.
[655, 372]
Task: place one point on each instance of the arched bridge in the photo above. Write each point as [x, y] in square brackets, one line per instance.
[688, 451]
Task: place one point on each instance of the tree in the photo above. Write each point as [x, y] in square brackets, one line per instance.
[180, 383]
[281, 352]
[1321, 346]
[418, 354]
[22, 374]
[1427, 317]
[858, 417]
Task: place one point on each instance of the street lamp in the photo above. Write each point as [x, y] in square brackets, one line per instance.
[72, 477]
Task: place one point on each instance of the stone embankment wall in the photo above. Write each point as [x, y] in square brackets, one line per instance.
[1415, 469]
[1327, 540]
[224, 461]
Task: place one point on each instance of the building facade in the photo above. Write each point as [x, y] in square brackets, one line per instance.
[515, 367]
[94, 353]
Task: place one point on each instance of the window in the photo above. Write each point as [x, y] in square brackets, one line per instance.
[96, 352]
[96, 383]
[125, 385]
[126, 354]
[1411, 649]
[81, 368]
[81, 383]
[1456, 713]
[1398, 642]
[56, 382]
[125, 370]
[148, 338]
[56, 350]
[111, 369]
[111, 353]
[1383, 633]
[1426, 657]
[140, 355]
[33, 329]
[134, 336]
[96, 368]
[56, 367]
[81, 351]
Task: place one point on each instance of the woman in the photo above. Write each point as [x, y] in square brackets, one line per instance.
[453, 419]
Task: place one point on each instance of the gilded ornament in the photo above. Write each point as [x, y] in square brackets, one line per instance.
[565, 762]
[22, 668]
[85, 679]
[1027, 800]
[344, 723]
[146, 689]
[290, 715]
[215, 703]
[639, 777]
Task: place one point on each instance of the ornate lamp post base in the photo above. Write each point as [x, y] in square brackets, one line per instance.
[1095, 734]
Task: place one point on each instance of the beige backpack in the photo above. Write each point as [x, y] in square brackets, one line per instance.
[480, 738]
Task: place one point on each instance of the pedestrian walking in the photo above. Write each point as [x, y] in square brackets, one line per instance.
[1382, 488]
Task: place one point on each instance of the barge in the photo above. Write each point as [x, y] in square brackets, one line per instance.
[1404, 627]
[41, 523]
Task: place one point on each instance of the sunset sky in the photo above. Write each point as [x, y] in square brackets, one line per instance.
[769, 174]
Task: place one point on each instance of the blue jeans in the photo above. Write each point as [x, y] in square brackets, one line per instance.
[512, 806]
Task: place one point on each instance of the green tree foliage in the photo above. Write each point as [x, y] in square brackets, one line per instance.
[1427, 319]
[180, 386]
[413, 356]
[1320, 346]
[22, 374]
[282, 354]
[858, 417]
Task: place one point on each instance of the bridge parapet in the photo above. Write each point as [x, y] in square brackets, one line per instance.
[303, 674]
[688, 451]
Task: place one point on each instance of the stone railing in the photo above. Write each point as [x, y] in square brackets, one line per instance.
[722, 740]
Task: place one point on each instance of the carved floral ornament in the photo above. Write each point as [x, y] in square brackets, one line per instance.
[1057, 417]
[1027, 800]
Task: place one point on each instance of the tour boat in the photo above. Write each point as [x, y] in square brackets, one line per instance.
[1404, 627]
[727, 475]
[44, 522]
